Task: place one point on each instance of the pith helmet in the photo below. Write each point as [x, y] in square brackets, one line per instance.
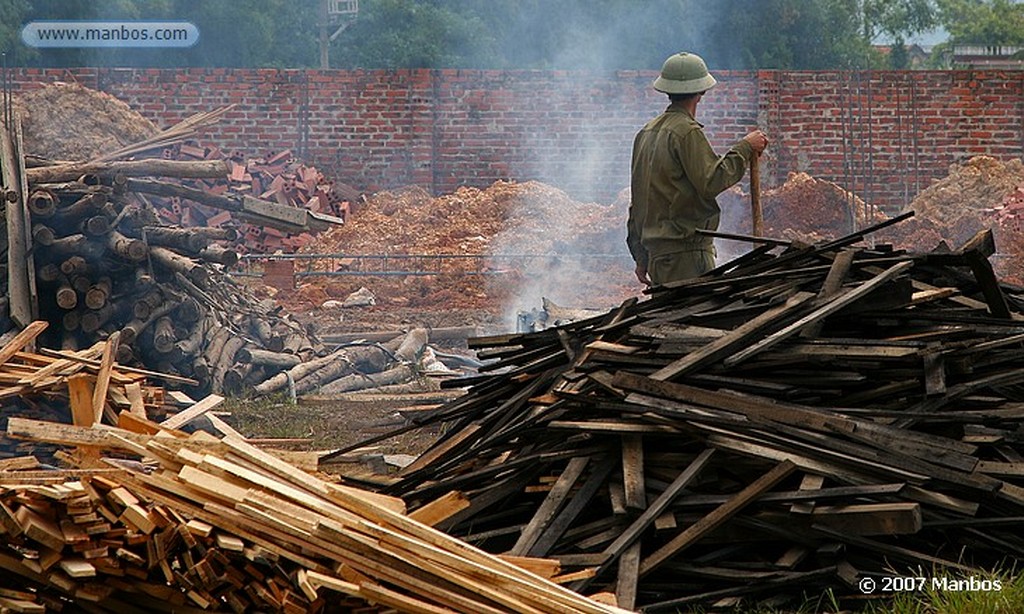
[684, 73]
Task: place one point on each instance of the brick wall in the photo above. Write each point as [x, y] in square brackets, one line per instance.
[884, 134]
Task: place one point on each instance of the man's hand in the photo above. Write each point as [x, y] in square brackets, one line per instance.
[641, 274]
[758, 140]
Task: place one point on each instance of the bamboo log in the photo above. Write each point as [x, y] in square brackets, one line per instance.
[163, 335]
[226, 360]
[176, 238]
[143, 279]
[130, 168]
[160, 188]
[148, 302]
[80, 283]
[189, 311]
[66, 296]
[85, 206]
[364, 359]
[95, 226]
[75, 265]
[233, 381]
[93, 320]
[71, 321]
[75, 245]
[49, 273]
[364, 381]
[220, 255]
[18, 282]
[190, 345]
[280, 380]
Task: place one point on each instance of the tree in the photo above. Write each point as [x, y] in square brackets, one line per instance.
[789, 34]
[899, 59]
[896, 19]
[983, 22]
[404, 34]
[12, 18]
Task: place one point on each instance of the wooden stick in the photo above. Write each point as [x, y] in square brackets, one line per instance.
[756, 214]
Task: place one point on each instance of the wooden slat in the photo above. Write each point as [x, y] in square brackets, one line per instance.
[185, 416]
[830, 307]
[717, 517]
[550, 507]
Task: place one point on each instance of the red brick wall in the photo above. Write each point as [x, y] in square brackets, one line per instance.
[887, 135]
[883, 134]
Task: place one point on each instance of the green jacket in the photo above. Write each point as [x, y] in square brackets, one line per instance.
[675, 179]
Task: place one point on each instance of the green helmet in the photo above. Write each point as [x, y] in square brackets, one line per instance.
[684, 73]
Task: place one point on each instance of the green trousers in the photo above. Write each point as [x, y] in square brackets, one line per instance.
[680, 265]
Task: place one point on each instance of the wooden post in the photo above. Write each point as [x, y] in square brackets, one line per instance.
[17, 246]
[756, 214]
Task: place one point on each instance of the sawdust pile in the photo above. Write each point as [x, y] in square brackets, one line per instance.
[67, 121]
[981, 193]
[516, 234]
[812, 209]
[803, 208]
[978, 186]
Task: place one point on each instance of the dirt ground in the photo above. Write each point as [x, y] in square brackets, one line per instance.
[330, 424]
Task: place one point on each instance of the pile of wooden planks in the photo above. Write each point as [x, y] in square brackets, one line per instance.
[207, 524]
[151, 519]
[794, 420]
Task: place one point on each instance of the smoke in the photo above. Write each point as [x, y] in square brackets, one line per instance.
[586, 266]
[569, 252]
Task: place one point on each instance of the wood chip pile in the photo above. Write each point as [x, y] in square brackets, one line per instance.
[980, 193]
[792, 421]
[68, 121]
[495, 224]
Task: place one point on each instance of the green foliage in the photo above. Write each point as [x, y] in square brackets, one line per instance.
[983, 22]
[546, 34]
[403, 34]
[12, 14]
[781, 34]
[899, 59]
[896, 18]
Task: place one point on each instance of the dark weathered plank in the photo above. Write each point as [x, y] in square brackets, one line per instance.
[713, 520]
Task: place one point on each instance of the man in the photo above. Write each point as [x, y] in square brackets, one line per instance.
[676, 177]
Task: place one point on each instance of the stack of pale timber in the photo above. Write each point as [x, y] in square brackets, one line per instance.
[792, 421]
[148, 518]
[207, 524]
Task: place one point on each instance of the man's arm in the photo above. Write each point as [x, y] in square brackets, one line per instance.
[710, 174]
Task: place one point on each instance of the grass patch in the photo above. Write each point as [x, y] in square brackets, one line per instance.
[955, 597]
[958, 596]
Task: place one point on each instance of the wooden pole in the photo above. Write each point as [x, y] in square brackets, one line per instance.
[18, 287]
[756, 215]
